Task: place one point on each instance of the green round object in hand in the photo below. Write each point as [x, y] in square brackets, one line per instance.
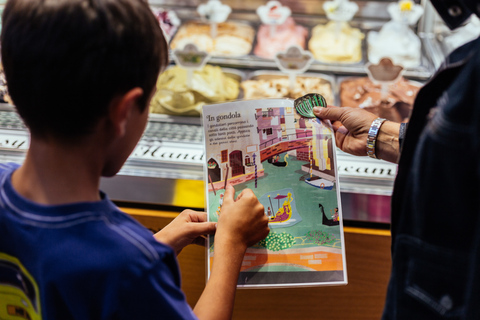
[305, 104]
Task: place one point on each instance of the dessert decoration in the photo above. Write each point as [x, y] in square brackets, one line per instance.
[273, 13]
[337, 41]
[340, 10]
[185, 88]
[396, 40]
[278, 30]
[293, 62]
[168, 20]
[385, 72]
[214, 12]
[232, 38]
[304, 105]
[385, 92]
[191, 59]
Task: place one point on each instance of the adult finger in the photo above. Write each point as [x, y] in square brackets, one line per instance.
[331, 113]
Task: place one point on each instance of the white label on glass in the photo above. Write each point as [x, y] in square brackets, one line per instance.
[214, 11]
[273, 13]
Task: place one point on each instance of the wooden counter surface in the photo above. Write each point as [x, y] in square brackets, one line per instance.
[368, 269]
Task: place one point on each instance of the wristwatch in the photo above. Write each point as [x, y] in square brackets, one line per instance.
[372, 136]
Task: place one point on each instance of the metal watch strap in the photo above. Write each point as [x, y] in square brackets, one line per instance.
[372, 136]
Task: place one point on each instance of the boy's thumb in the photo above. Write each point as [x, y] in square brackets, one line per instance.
[229, 192]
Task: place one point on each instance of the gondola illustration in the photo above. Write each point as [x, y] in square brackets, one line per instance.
[320, 183]
[326, 221]
[275, 162]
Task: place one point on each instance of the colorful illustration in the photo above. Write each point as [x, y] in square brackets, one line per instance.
[288, 160]
[19, 295]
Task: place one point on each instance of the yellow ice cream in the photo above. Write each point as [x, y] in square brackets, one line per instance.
[336, 43]
[208, 85]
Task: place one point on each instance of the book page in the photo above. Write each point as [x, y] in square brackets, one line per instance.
[289, 162]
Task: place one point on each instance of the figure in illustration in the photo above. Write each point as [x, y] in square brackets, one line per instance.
[335, 216]
[276, 161]
[325, 220]
[220, 202]
[284, 212]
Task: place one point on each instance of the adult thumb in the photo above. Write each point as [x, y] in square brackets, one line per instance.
[329, 113]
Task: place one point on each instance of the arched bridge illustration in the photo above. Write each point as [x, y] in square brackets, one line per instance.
[268, 151]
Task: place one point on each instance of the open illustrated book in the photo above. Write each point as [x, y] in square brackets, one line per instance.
[288, 160]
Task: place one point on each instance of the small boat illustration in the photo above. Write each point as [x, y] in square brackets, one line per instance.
[275, 161]
[320, 183]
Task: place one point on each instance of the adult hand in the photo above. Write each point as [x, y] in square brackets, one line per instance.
[351, 127]
[242, 219]
[189, 227]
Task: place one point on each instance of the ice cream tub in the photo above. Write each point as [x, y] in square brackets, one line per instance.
[269, 41]
[394, 103]
[232, 39]
[339, 44]
[211, 84]
[275, 84]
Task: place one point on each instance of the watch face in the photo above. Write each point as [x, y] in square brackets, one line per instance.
[454, 12]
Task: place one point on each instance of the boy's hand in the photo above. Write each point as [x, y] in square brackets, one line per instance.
[189, 227]
[241, 224]
[243, 220]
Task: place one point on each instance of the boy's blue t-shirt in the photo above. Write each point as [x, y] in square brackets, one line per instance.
[82, 261]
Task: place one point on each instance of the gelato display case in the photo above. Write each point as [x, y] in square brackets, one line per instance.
[166, 168]
[165, 172]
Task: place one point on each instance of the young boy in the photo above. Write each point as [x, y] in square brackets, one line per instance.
[81, 74]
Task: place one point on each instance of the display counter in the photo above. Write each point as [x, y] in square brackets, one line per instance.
[166, 170]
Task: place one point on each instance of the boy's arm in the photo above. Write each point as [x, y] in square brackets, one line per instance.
[242, 223]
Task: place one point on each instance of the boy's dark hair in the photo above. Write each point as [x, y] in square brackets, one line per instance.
[65, 60]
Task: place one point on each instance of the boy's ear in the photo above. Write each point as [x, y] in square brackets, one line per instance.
[121, 108]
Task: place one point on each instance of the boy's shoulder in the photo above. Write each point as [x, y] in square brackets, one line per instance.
[8, 167]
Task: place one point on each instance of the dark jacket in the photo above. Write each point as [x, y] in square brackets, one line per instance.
[436, 199]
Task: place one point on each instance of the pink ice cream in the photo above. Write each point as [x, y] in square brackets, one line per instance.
[285, 35]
